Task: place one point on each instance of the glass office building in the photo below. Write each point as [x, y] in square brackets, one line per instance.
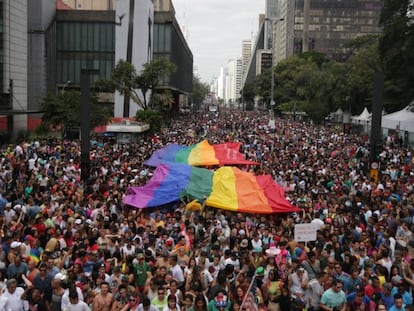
[84, 40]
[332, 23]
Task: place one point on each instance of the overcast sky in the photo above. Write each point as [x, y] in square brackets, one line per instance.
[216, 29]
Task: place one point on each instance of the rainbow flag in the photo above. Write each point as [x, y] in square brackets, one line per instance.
[227, 188]
[201, 154]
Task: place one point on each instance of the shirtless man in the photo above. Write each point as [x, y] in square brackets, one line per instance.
[104, 301]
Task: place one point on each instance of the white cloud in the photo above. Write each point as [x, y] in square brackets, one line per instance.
[216, 29]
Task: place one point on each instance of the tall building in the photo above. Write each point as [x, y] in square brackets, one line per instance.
[246, 55]
[41, 36]
[170, 43]
[324, 26]
[283, 34]
[231, 74]
[91, 4]
[13, 61]
[221, 84]
[239, 77]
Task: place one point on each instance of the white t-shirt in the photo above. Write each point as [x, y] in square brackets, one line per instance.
[80, 306]
[12, 302]
[65, 298]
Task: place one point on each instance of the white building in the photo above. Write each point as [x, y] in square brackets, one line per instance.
[231, 81]
[221, 84]
[246, 55]
[142, 40]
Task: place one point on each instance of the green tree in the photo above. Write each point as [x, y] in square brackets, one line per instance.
[396, 51]
[63, 109]
[151, 117]
[200, 91]
[129, 83]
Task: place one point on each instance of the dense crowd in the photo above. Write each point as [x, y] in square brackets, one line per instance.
[73, 246]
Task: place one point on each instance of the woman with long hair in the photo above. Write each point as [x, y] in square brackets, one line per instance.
[200, 303]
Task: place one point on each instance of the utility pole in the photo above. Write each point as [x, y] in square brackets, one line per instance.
[85, 121]
[129, 49]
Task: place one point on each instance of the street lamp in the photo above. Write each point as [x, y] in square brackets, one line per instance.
[272, 85]
[65, 85]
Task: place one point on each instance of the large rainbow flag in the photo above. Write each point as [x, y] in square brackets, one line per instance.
[201, 154]
[227, 188]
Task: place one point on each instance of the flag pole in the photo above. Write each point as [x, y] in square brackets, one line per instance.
[248, 292]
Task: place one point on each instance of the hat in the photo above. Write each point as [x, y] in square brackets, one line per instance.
[140, 256]
[396, 280]
[242, 232]
[301, 269]
[78, 221]
[387, 286]
[59, 276]
[260, 271]
[244, 243]
[272, 251]
[15, 244]
[89, 221]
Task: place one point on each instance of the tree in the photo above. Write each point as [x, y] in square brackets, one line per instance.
[151, 117]
[396, 50]
[200, 91]
[128, 83]
[63, 109]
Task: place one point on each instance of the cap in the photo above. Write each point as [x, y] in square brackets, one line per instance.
[242, 232]
[78, 221]
[15, 244]
[140, 256]
[59, 276]
[260, 271]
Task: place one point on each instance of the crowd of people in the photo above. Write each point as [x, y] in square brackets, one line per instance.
[72, 245]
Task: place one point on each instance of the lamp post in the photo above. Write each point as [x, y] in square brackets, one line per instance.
[272, 82]
[65, 85]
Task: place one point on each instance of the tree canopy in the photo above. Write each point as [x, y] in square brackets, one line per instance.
[128, 82]
[396, 50]
[63, 109]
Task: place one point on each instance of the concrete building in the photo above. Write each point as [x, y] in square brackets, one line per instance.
[283, 33]
[40, 22]
[170, 43]
[13, 60]
[231, 81]
[221, 84]
[246, 55]
[239, 78]
[95, 5]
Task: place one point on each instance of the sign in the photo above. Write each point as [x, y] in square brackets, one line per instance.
[305, 232]
[374, 174]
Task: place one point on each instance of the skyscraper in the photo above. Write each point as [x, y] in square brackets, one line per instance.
[246, 55]
[324, 26]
